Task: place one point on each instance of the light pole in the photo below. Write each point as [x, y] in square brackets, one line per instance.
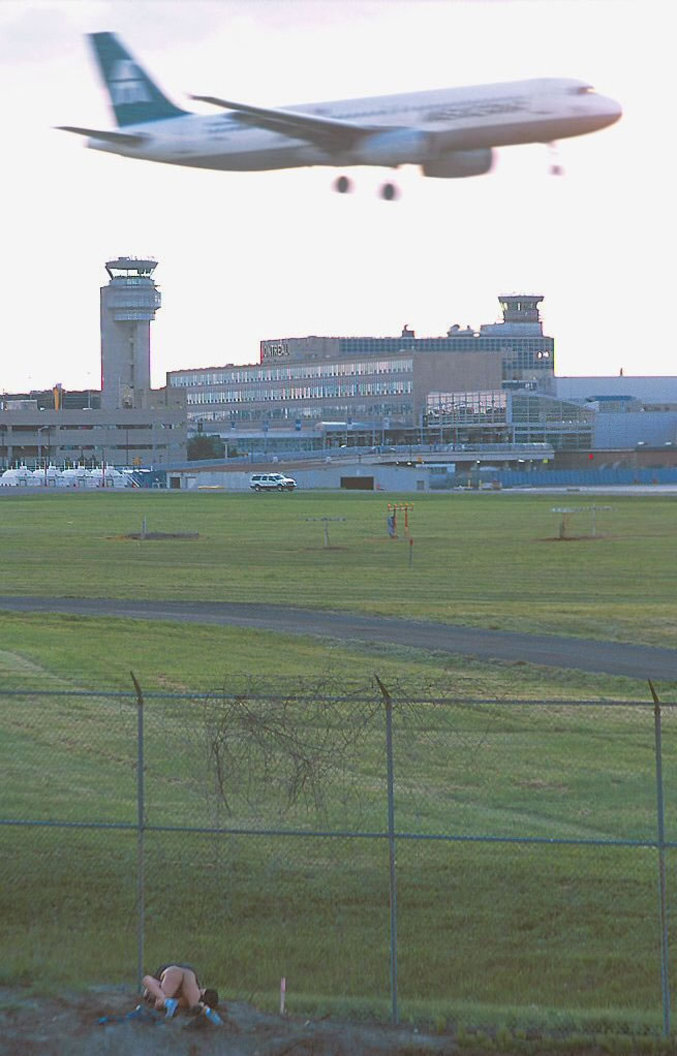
[43, 429]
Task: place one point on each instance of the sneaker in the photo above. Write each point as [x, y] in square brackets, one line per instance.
[212, 1016]
[171, 1005]
[144, 1014]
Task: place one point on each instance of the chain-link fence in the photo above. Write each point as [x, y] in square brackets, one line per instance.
[383, 842]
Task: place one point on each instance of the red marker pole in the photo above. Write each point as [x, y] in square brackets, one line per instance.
[411, 552]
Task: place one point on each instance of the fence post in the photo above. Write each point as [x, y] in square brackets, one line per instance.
[662, 895]
[391, 849]
[140, 832]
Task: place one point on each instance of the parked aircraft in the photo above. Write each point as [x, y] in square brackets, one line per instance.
[448, 132]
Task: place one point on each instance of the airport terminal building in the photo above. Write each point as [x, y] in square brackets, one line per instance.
[373, 385]
[471, 388]
[361, 389]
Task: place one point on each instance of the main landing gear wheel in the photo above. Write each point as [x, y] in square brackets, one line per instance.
[343, 185]
[389, 192]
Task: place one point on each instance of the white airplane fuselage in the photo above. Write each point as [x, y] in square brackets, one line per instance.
[418, 128]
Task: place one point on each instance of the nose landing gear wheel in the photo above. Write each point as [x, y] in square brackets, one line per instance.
[343, 185]
[556, 168]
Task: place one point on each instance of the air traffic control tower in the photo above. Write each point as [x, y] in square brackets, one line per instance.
[128, 306]
[521, 308]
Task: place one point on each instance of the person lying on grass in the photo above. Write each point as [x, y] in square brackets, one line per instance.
[177, 986]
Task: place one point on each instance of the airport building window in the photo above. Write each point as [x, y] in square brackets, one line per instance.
[296, 372]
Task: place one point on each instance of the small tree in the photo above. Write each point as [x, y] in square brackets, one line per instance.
[203, 447]
[294, 749]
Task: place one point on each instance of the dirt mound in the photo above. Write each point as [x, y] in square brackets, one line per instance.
[69, 1026]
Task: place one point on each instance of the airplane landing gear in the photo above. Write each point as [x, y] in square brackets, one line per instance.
[389, 192]
[556, 168]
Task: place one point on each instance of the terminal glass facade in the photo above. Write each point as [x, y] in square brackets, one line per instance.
[509, 417]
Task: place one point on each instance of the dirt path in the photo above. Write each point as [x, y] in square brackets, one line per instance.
[69, 1026]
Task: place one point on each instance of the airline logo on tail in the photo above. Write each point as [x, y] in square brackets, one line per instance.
[135, 97]
[127, 84]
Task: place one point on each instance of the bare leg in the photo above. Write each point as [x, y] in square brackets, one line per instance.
[154, 989]
[174, 982]
[182, 984]
[190, 991]
[168, 986]
[171, 981]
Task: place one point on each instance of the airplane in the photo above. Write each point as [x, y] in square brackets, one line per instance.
[450, 132]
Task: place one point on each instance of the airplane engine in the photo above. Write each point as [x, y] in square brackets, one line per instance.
[399, 147]
[458, 163]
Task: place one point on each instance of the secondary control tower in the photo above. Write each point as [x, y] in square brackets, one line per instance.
[521, 308]
[528, 355]
[128, 306]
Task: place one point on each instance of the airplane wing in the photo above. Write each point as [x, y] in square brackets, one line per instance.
[123, 139]
[315, 128]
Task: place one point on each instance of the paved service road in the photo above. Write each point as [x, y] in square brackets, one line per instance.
[614, 658]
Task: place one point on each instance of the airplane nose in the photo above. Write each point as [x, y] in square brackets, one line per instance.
[613, 109]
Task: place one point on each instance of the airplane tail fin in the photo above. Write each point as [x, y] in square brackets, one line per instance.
[135, 98]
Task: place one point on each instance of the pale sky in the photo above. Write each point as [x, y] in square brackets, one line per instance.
[244, 256]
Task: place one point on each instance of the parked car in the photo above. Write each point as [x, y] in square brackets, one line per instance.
[271, 482]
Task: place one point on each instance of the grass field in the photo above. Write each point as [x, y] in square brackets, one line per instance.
[518, 925]
[490, 560]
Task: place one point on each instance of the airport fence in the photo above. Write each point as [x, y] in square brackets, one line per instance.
[387, 843]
